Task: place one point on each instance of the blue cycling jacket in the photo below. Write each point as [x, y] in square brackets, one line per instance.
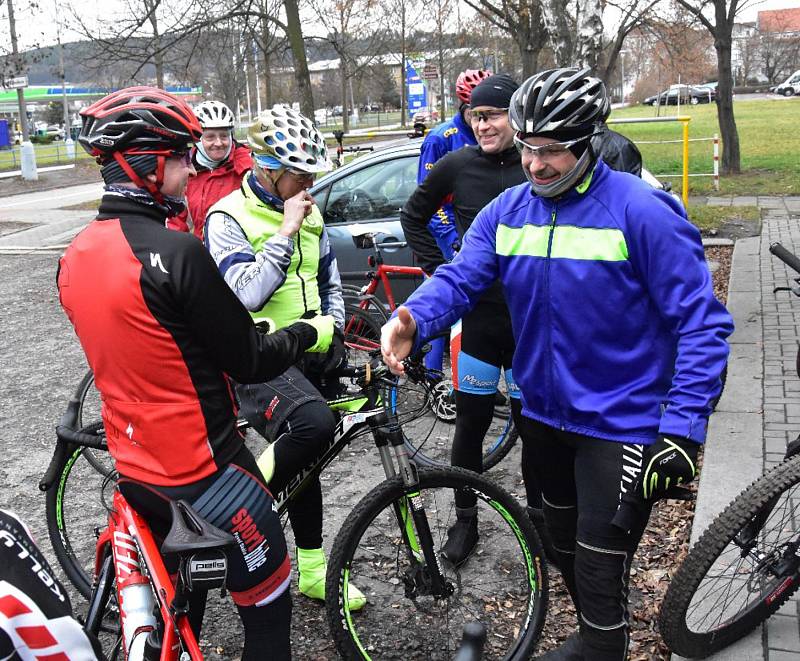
[619, 335]
[442, 139]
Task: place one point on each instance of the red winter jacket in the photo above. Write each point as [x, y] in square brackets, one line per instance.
[209, 187]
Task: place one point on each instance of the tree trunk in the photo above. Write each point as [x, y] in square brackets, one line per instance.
[554, 15]
[267, 82]
[528, 54]
[731, 158]
[158, 59]
[590, 32]
[295, 33]
[345, 113]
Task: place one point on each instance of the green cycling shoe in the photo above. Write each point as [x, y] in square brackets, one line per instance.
[311, 567]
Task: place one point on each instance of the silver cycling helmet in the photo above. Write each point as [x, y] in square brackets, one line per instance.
[282, 137]
[563, 104]
[214, 115]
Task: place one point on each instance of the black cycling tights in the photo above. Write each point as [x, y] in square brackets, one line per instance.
[473, 417]
[301, 438]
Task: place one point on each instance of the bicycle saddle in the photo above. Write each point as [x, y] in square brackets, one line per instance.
[190, 532]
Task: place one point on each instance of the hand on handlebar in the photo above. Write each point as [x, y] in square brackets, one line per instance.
[397, 339]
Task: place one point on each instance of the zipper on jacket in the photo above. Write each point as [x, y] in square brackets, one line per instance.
[550, 315]
[297, 270]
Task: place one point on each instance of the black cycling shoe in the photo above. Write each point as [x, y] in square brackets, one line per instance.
[570, 650]
[462, 537]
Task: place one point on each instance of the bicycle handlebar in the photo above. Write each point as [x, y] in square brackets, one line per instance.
[785, 256]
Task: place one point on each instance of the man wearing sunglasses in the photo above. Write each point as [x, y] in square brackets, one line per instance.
[482, 343]
[620, 340]
[270, 244]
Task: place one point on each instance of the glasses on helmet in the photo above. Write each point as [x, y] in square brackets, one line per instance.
[488, 115]
[549, 151]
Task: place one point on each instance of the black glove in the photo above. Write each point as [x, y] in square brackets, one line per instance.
[670, 461]
[337, 353]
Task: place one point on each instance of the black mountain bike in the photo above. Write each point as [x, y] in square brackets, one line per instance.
[389, 544]
[747, 563]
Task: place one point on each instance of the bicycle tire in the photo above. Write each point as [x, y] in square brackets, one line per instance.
[429, 435]
[504, 583]
[680, 620]
[362, 336]
[75, 503]
[89, 413]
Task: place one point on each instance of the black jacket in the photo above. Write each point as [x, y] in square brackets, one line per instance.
[468, 177]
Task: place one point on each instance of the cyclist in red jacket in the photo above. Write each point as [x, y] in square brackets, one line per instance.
[164, 336]
[220, 163]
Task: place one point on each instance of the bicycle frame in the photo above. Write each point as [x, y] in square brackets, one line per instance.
[137, 561]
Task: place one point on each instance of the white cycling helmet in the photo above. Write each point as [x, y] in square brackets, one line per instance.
[282, 137]
[214, 115]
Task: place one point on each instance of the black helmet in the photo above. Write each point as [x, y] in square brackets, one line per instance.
[565, 101]
[138, 120]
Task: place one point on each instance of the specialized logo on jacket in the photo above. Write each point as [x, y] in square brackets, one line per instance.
[449, 132]
[251, 541]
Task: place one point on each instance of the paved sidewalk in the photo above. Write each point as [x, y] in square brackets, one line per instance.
[759, 412]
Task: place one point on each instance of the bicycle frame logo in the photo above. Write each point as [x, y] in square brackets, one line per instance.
[340, 437]
[126, 559]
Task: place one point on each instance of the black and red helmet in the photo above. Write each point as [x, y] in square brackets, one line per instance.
[138, 120]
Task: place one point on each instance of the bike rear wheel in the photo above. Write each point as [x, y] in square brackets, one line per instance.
[503, 584]
[75, 508]
[740, 571]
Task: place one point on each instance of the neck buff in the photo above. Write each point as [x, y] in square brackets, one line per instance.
[172, 205]
[263, 194]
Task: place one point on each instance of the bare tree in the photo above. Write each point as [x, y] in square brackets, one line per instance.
[355, 33]
[779, 48]
[632, 15]
[522, 21]
[718, 17]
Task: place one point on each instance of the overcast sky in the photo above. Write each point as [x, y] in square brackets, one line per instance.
[39, 27]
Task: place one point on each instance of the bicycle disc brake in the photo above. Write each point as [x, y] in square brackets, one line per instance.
[443, 402]
[417, 583]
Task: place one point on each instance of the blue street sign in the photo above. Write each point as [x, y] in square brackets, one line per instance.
[416, 92]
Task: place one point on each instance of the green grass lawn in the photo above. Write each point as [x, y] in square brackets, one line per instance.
[768, 136]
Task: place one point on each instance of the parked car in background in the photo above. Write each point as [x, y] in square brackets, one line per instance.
[688, 94]
[788, 87]
[367, 194]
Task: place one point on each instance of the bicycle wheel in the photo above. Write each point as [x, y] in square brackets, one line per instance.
[503, 585]
[427, 413]
[362, 335]
[75, 507]
[740, 571]
[89, 412]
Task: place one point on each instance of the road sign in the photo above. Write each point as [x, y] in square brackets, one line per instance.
[15, 83]
[430, 72]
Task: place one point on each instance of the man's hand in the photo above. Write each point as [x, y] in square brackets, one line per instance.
[670, 461]
[295, 210]
[397, 338]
